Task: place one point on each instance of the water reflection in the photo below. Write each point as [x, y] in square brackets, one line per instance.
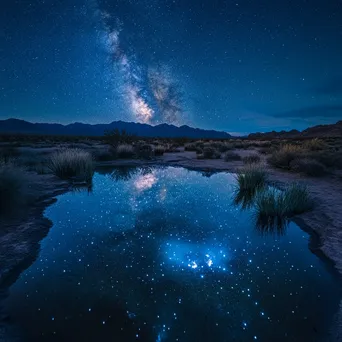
[145, 181]
[123, 173]
[244, 198]
[272, 225]
[165, 256]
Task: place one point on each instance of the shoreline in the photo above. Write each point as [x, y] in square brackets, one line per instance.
[20, 238]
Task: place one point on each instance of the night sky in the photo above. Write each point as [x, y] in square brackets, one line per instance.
[239, 66]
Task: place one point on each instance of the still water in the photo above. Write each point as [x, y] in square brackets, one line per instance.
[163, 254]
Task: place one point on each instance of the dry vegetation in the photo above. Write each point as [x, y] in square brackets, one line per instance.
[75, 157]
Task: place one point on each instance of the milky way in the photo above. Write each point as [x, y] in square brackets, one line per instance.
[149, 91]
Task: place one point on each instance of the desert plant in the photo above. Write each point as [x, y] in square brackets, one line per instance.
[273, 207]
[72, 163]
[7, 154]
[297, 199]
[144, 151]
[231, 156]
[190, 147]
[285, 155]
[211, 153]
[125, 151]
[315, 144]
[251, 159]
[250, 178]
[310, 167]
[159, 150]
[13, 183]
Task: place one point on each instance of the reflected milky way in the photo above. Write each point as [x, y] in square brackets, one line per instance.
[164, 255]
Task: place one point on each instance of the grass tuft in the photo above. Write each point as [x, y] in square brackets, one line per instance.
[250, 178]
[72, 163]
[274, 207]
[125, 151]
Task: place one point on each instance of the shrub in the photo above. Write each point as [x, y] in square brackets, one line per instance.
[225, 147]
[251, 159]
[190, 147]
[309, 166]
[211, 153]
[125, 151]
[251, 178]
[274, 206]
[7, 154]
[72, 163]
[144, 151]
[315, 144]
[328, 159]
[13, 182]
[231, 156]
[285, 155]
[265, 150]
[105, 155]
[159, 150]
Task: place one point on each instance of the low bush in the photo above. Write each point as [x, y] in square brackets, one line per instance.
[211, 153]
[315, 145]
[190, 147]
[13, 188]
[72, 163]
[251, 159]
[283, 157]
[144, 151]
[308, 166]
[8, 154]
[125, 151]
[231, 156]
[159, 150]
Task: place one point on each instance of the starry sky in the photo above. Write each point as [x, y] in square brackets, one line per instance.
[239, 66]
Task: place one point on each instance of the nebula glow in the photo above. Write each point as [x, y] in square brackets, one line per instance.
[150, 93]
[145, 182]
[196, 257]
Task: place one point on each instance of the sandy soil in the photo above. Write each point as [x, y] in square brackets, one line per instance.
[19, 238]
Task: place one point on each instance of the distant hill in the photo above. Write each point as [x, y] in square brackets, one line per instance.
[320, 131]
[15, 126]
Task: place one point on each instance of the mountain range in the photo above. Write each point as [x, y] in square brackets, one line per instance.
[16, 126]
[332, 130]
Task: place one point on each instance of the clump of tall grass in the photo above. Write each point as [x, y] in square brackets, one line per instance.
[273, 206]
[251, 177]
[72, 163]
[251, 159]
[285, 155]
[13, 182]
[125, 151]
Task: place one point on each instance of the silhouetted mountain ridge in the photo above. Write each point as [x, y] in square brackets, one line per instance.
[17, 126]
[331, 130]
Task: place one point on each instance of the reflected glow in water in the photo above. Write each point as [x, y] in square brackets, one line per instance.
[165, 255]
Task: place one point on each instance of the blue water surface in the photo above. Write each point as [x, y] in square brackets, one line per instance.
[163, 254]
